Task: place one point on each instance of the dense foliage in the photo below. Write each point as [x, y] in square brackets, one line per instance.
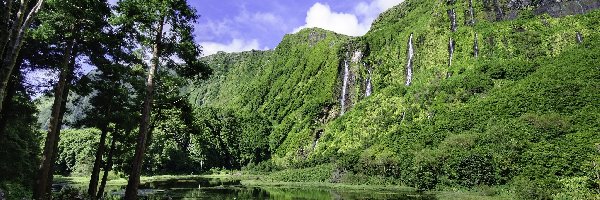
[19, 143]
[522, 112]
[506, 99]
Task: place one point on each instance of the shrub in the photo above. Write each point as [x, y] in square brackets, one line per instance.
[321, 173]
[513, 69]
[575, 188]
[264, 166]
[476, 170]
[551, 124]
[13, 190]
[426, 170]
[70, 193]
[347, 162]
[526, 188]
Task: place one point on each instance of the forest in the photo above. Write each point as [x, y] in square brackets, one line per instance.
[497, 99]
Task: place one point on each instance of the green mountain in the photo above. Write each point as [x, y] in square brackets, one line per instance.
[437, 93]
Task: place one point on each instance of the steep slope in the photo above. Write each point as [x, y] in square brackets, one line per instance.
[292, 85]
[437, 93]
[512, 111]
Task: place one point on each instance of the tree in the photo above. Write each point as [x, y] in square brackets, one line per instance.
[108, 164]
[14, 22]
[19, 144]
[72, 25]
[112, 99]
[165, 26]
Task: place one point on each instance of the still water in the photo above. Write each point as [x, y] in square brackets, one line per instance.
[203, 188]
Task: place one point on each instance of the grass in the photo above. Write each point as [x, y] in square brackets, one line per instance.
[469, 195]
[75, 180]
[262, 183]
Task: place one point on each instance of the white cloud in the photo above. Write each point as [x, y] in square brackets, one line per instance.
[370, 11]
[321, 16]
[215, 28]
[258, 17]
[243, 26]
[356, 23]
[236, 45]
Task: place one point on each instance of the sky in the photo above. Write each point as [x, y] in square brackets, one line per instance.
[242, 25]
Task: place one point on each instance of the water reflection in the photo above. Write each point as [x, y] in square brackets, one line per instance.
[203, 188]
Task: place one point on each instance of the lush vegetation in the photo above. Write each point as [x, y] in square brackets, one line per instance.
[513, 110]
[522, 113]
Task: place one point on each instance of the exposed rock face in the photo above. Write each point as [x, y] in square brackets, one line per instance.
[518, 4]
[555, 8]
[315, 37]
[564, 8]
[498, 10]
[356, 78]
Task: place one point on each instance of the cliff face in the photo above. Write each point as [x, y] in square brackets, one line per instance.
[432, 93]
[511, 9]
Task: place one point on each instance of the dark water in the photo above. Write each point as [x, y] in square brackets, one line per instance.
[202, 188]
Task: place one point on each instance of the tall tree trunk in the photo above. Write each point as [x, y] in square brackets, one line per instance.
[134, 176]
[108, 165]
[4, 25]
[3, 116]
[11, 46]
[63, 107]
[11, 91]
[96, 170]
[44, 177]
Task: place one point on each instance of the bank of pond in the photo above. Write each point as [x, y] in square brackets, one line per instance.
[237, 186]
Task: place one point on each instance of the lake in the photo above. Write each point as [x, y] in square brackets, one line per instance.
[214, 188]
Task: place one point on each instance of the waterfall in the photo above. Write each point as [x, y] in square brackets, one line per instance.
[471, 13]
[316, 140]
[475, 47]
[579, 37]
[369, 87]
[344, 86]
[452, 16]
[450, 51]
[409, 64]
[356, 57]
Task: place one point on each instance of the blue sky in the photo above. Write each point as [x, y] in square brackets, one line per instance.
[242, 25]
[232, 26]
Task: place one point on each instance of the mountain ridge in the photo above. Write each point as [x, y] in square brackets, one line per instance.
[460, 64]
[436, 95]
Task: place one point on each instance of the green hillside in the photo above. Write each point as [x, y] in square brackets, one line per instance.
[291, 85]
[516, 100]
[496, 96]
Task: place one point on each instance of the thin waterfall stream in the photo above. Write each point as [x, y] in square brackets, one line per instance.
[344, 86]
[369, 87]
[409, 64]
